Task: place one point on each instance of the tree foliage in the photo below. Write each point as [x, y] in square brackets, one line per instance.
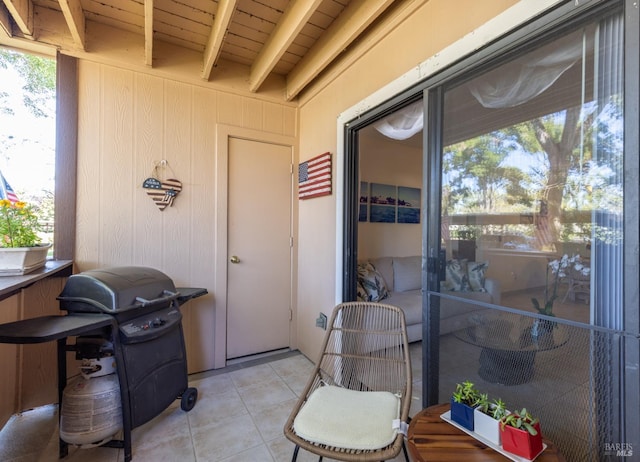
[40, 77]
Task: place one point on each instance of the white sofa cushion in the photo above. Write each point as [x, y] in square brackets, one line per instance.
[407, 273]
[384, 266]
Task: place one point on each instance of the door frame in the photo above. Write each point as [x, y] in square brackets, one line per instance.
[223, 133]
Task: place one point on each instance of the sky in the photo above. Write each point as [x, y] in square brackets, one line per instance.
[27, 142]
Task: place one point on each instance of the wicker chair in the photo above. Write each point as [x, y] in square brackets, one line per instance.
[355, 406]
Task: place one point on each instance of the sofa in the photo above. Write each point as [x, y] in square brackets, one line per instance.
[398, 281]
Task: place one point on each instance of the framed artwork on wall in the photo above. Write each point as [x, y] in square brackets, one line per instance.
[364, 201]
[382, 200]
[408, 205]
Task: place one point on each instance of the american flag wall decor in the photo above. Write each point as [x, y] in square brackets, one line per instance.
[314, 177]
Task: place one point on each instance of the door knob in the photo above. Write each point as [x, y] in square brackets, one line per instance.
[234, 259]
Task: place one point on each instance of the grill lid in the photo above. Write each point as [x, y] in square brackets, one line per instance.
[115, 290]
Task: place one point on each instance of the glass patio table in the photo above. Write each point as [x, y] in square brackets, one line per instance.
[509, 344]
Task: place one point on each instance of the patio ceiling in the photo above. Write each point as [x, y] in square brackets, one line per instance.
[296, 39]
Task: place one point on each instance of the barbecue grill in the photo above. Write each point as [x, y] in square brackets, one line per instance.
[137, 311]
[145, 304]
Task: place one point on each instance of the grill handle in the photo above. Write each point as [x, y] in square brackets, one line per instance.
[167, 295]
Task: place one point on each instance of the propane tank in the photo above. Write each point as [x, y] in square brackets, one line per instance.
[91, 412]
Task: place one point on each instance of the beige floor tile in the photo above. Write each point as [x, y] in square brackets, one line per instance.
[210, 406]
[253, 375]
[258, 454]
[262, 395]
[225, 437]
[270, 421]
[172, 423]
[282, 449]
[221, 383]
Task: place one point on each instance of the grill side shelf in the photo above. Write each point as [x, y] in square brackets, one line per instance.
[48, 328]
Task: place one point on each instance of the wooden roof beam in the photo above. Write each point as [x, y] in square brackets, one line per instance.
[148, 32]
[74, 15]
[292, 21]
[5, 21]
[22, 13]
[345, 29]
[218, 31]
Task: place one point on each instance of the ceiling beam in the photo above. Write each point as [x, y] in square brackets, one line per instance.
[5, 22]
[345, 29]
[22, 13]
[74, 15]
[218, 31]
[148, 32]
[293, 20]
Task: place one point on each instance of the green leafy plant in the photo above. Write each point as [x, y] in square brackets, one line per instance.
[466, 393]
[18, 225]
[556, 271]
[521, 420]
[496, 408]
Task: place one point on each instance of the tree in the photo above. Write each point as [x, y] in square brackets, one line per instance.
[478, 180]
[558, 136]
[40, 77]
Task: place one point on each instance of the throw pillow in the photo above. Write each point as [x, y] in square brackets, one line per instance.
[361, 294]
[476, 271]
[457, 278]
[372, 282]
[407, 273]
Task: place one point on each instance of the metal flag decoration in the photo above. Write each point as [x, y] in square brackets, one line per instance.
[314, 177]
[162, 192]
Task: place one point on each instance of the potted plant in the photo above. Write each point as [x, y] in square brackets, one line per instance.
[521, 435]
[463, 400]
[20, 248]
[487, 417]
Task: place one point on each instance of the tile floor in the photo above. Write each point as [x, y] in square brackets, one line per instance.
[239, 416]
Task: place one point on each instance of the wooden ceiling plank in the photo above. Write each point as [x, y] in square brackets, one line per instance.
[74, 15]
[218, 31]
[292, 21]
[343, 31]
[5, 21]
[22, 13]
[148, 32]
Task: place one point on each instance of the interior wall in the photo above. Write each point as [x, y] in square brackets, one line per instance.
[434, 26]
[383, 160]
[128, 122]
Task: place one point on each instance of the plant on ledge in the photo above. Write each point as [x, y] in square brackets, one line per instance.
[18, 225]
[520, 434]
[558, 269]
[463, 400]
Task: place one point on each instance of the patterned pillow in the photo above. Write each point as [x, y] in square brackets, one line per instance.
[457, 278]
[361, 294]
[372, 283]
[475, 271]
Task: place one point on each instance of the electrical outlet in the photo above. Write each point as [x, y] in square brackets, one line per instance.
[322, 321]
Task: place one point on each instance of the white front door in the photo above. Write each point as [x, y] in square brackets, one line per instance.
[259, 247]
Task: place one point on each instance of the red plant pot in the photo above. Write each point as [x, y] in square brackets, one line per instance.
[520, 442]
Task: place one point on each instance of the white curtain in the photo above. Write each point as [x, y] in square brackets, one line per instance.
[525, 78]
[402, 124]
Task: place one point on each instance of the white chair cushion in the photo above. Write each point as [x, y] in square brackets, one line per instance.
[348, 419]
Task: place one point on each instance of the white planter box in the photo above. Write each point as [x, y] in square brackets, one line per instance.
[17, 261]
[486, 427]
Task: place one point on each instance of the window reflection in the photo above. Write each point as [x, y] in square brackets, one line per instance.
[532, 176]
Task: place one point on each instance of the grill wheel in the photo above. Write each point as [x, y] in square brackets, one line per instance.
[189, 398]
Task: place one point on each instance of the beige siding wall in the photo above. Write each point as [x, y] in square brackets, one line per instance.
[434, 26]
[128, 122]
